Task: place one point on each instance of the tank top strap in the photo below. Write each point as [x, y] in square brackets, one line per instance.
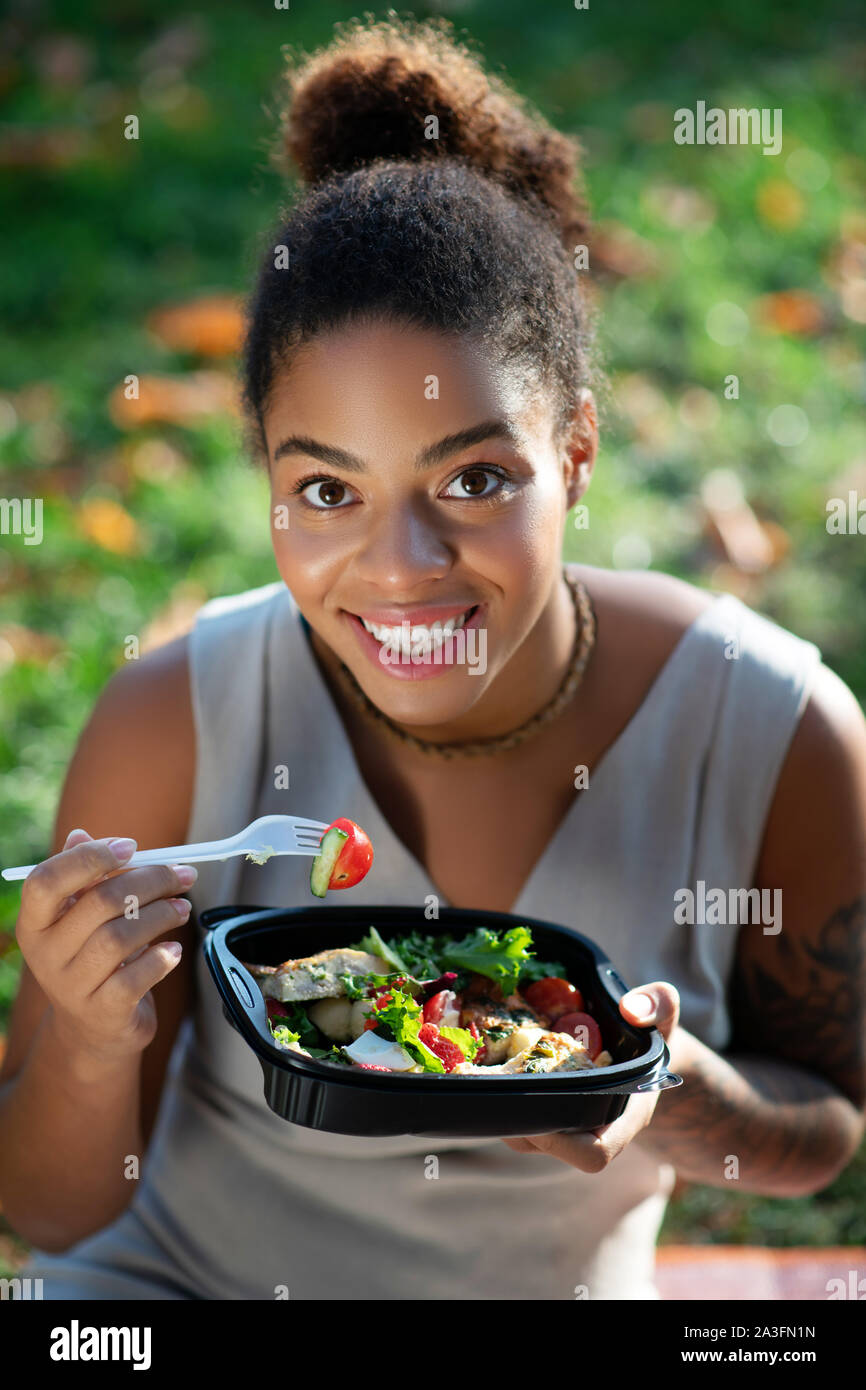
[229, 647]
[755, 679]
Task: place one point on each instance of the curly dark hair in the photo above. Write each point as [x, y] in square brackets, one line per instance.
[470, 232]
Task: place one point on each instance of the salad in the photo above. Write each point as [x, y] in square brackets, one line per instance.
[480, 1005]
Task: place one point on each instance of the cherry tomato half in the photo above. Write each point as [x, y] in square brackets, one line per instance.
[553, 996]
[355, 857]
[584, 1029]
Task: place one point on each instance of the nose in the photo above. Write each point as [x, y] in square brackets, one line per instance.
[403, 550]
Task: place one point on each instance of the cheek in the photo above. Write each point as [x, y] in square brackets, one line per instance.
[531, 531]
[306, 555]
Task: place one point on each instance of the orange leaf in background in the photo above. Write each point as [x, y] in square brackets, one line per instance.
[42, 149]
[174, 400]
[792, 311]
[780, 204]
[19, 643]
[64, 480]
[732, 525]
[107, 524]
[620, 251]
[780, 541]
[210, 326]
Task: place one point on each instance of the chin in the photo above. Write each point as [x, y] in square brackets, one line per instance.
[436, 701]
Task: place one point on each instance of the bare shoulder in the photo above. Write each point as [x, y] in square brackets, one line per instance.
[647, 611]
[642, 596]
[819, 805]
[141, 737]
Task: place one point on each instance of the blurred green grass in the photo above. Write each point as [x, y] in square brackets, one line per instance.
[95, 239]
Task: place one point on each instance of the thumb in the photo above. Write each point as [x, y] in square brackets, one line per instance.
[653, 1006]
[76, 837]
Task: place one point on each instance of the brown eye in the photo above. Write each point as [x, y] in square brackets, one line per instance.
[331, 493]
[473, 482]
[325, 494]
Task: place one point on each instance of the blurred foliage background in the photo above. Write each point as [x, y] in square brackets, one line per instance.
[131, 256]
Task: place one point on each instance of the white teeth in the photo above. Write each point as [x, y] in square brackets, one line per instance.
[407, 637]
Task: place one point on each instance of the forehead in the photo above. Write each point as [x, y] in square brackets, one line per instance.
[384, 381]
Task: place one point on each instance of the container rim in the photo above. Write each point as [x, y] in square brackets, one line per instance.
[244, 1003]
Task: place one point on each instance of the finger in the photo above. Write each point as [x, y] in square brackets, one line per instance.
[589, 1152]
[521, 1146]
[592, 1150]
[51, 883]
[75, 837]
[121, 939]
[123, 990]
[115, 897]
[652, 1006]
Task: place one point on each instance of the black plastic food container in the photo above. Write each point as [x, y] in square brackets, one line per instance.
[343, 1100]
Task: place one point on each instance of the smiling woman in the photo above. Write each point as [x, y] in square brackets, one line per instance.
[419, 389]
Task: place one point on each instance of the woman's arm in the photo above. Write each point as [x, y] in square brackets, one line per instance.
[786, 1101]
[69, 1118]
[787, 1098]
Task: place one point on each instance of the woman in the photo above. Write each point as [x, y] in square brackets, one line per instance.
[418, 382]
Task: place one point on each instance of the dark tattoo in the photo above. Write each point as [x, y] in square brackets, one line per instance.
[816, 1014]
[786, 1128]
[781, 1099]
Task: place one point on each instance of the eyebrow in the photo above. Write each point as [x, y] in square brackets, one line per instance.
[433, 454]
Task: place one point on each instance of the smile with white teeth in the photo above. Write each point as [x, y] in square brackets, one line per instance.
[408, 637]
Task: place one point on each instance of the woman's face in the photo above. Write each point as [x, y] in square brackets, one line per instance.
[417, 491]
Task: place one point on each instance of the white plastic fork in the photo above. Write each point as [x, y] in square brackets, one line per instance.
[267, 836]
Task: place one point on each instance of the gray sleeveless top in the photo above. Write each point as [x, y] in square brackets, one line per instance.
[235, 1203]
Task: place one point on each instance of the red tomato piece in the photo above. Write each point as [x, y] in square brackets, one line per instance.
[553, 996]
[584, 1028]
[354, 859]
[276, 1009]
[449, 1053]
[380, 1002]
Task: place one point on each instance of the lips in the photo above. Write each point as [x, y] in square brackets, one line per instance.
[439, 645]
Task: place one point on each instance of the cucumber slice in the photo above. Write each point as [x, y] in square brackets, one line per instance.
[323, 864]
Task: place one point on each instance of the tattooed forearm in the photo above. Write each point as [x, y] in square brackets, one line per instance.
[752, 1124]
[785, 1100]
[804, 1000]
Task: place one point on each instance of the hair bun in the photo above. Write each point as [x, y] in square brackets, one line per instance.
[370, 94]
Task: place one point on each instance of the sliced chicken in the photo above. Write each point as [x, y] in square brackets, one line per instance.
[316, 977]
[497, 1020]
[547, 1052]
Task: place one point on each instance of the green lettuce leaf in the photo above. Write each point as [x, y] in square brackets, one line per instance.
[464, 1040]
[501, 956]
[293, 1017]
[284, 1035]
[375, 946]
